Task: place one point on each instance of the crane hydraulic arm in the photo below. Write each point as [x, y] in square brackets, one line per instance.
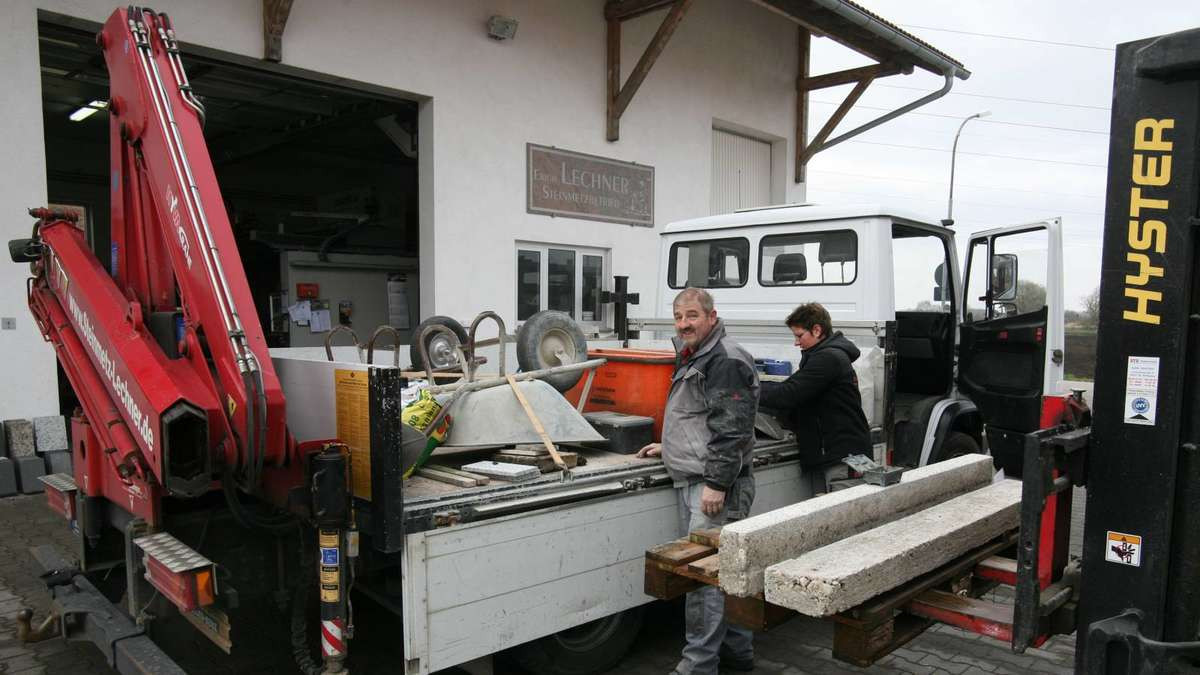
[164, 351]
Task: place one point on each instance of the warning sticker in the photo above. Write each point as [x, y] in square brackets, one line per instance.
[1141, 390]
[329, 556]
[1123, 549]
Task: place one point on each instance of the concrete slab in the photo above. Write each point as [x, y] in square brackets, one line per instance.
[29, 469]
[750, 546]
[50, 433]
[58, 461]
[19, 434]
[503, 470]
[846, 573]
[8, 477]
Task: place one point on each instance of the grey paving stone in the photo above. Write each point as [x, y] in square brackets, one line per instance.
[19, 435]
[8, 477]
[50, 433]
[58, 461]
[29, 469]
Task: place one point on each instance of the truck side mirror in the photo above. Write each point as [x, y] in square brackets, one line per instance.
[939, 281]
[1004, 277]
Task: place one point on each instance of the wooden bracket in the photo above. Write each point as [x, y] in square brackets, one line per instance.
[863, 77]
[616, 11]
[275, 16]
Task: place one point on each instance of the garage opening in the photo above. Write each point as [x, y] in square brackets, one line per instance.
[318, 176]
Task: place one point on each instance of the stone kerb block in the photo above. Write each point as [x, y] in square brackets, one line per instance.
[847, 573]
[58, 461]
[750, 546]
[50, 433]
[19, 434]
[29, 469]
[8, 477]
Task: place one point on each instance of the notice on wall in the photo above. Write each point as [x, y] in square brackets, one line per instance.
[397, 294]
[354, 426]
[1123, 549]
[564, 183]
[1141, 390]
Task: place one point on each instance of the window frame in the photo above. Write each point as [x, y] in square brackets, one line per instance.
[763, 242]
[673, 256]
[543, 251]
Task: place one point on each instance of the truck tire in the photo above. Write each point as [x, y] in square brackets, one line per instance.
[594, 647]
[440, 350]
[957, 444]
[540, 339]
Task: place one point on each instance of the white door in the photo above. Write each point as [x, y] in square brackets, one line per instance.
[741, 172]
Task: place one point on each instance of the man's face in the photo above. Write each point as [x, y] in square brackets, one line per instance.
[806, 338]
[692, 323]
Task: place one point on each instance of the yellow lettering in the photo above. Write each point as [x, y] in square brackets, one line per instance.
[1154, 139]
[1145, 269]
[1149, 170]
[1137, 202]
[1144, 298]
[1152, 233]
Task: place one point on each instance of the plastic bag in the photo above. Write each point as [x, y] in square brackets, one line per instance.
[420, 445]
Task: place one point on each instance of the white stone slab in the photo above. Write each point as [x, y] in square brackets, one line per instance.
[750, 546]
[849, 572]
[50, 433]
[503, 470]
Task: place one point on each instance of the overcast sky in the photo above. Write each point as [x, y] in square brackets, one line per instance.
[1043, 69]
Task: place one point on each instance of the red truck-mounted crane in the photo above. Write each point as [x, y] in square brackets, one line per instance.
[178, 397]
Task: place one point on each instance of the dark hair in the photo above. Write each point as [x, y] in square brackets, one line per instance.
[811, 314]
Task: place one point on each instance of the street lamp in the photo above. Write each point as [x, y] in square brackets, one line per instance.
[949, 219]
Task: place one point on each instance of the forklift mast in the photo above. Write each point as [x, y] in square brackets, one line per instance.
[1140, 596]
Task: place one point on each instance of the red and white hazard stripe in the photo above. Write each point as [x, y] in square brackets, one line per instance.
[332, 643]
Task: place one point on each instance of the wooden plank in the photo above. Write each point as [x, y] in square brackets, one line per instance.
[664, 584]
[971, 607]
[275, 17]
[622, 10]
[478, 478]
[444, 477]
[543, 462]
[706, 567]
[1000, 564]
[755, 613]
[679, 552]
[803, 42]
[537, 423]
[836, 118]
[708, 537]
[863, 646]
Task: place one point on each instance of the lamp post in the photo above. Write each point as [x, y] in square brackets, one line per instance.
[949, 219]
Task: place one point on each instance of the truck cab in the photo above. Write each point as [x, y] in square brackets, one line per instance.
[892, 284]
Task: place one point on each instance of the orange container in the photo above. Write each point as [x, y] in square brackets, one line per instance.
[634, 381]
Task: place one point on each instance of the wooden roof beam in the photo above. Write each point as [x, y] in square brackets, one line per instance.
[619, 96]
[275, 16]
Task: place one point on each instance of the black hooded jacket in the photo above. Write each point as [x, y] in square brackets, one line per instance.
[821, 404]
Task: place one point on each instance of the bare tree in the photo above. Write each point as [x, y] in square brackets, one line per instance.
[1091, 307]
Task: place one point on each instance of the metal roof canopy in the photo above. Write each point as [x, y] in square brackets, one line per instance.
[896, 51]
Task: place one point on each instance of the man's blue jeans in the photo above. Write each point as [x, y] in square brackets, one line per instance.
[704, 614]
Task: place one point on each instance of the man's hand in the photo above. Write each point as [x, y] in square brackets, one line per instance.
[652, 450]
[711, 501]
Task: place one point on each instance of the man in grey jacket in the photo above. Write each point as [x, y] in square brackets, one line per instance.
[708, 436]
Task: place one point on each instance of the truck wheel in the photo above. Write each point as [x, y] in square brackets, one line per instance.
[594, 647]
[543, 337]
[441, 351]
[957, 444]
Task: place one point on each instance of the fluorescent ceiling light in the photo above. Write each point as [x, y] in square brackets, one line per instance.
[88, 110]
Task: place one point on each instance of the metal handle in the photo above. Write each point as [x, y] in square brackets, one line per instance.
[329, 339]
[395, 347]
[470, 364]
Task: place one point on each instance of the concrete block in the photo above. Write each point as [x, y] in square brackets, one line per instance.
[58, 461]
[19, 434]
[751, 545]
[8, 477]
[849, 572]
[50, 433]
[29, 469]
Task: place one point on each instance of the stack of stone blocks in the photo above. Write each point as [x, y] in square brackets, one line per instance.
[30, 449]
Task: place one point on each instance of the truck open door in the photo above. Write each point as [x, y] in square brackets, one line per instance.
[1011, 333]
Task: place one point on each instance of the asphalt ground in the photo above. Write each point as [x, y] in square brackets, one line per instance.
[801, 645]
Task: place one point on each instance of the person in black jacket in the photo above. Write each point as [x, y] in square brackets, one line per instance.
[820, 401]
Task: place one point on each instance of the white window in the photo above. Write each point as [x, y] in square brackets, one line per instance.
[566, 278]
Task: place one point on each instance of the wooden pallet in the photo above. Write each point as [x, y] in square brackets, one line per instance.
[864, 634]
[685, 565]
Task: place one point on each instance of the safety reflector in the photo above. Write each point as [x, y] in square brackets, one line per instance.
[60, 493]
[185, 577]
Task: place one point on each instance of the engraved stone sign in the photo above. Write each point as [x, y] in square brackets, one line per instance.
[564, 183]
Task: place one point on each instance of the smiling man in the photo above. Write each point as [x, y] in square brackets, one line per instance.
[708, 435]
